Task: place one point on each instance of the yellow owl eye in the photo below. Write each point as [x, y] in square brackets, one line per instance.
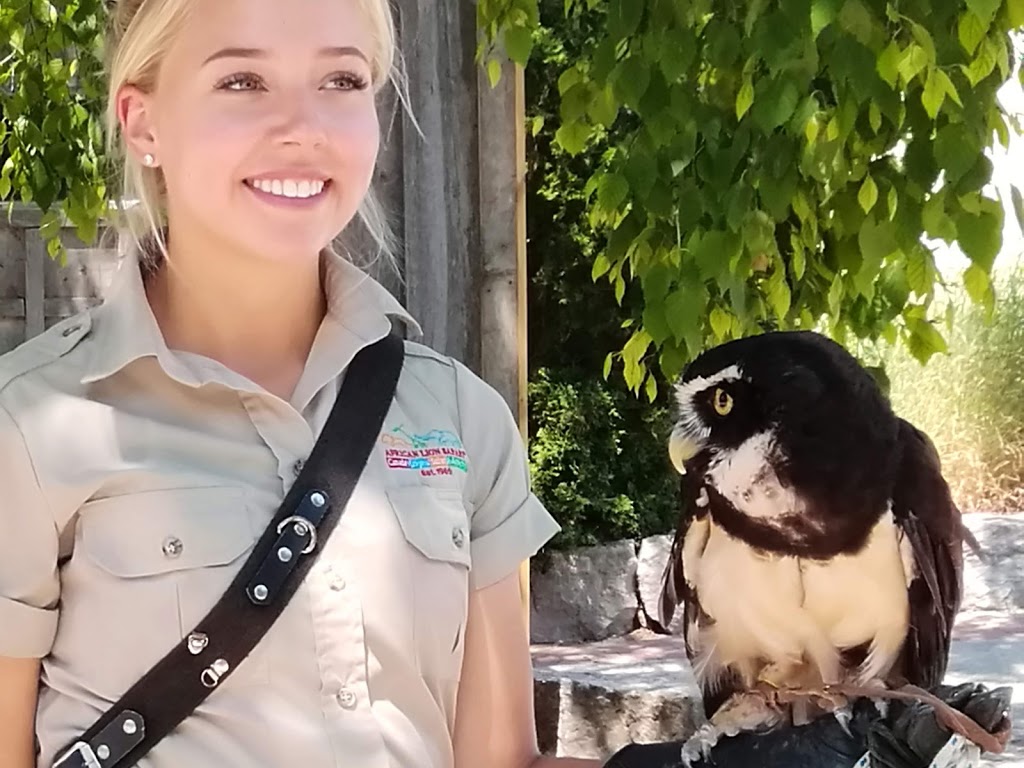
[723, 402]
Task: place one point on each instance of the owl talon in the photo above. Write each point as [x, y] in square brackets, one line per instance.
[698, 747]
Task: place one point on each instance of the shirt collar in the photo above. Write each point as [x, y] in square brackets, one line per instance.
[124, 329]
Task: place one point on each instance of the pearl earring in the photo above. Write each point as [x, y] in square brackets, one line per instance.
[148, 159]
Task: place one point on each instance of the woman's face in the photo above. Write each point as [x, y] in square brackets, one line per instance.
[264, 125]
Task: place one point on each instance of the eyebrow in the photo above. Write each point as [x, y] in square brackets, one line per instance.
[260, 53]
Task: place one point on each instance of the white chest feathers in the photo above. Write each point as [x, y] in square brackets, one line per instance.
[797, 616]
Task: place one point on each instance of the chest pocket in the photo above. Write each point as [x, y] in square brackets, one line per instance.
[436, 528]
[146, 568]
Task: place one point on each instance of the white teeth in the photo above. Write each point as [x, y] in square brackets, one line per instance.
[289, 187]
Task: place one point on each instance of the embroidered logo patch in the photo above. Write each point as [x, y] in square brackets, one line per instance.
[438, 452]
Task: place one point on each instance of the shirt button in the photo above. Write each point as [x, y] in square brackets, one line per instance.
[337, 583]
[172, 547]
[297, 467]
[347, 699]
[458, 537]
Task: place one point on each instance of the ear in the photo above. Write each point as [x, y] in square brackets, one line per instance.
[135, 114]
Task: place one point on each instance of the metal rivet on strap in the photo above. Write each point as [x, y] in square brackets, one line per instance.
[284, 554]
[213, 673]
[197, 642]
[261, 591]
[130, 727]
[318, 499]
[102, 751]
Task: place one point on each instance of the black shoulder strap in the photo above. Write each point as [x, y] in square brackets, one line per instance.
[282, 557]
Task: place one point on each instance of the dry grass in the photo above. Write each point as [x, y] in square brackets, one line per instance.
[971, 401]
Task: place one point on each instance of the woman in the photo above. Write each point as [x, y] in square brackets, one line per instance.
[146, 444]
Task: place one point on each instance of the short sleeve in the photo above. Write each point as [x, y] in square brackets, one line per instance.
[509, 523]
[29, 584]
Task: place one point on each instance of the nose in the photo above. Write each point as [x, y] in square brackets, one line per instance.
[300, 121]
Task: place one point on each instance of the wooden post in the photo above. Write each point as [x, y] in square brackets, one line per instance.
[503, 327]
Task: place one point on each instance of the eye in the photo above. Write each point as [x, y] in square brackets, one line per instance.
[347, 81]
[723, 402]
[243, 81]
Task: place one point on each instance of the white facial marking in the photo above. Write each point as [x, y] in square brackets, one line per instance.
[746, 478]
[685, 392]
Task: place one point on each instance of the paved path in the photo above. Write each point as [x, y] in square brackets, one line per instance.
[988, 648]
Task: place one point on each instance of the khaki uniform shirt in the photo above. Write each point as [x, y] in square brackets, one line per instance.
[134, 481]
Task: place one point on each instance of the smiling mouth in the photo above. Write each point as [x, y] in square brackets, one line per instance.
[290, 189]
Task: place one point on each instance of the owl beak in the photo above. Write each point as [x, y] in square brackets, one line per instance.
[682, 448]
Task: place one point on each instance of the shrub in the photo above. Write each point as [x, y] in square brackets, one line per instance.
[599, 459]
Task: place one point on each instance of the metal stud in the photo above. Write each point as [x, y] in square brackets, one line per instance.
[284, 554]
[102, 751]
[197, 642]
[261, 591]
[213, 673]
[130, 727]
[318, 499]
[301, 528]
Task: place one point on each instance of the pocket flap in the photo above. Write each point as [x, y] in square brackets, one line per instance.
[156, 532]
[434, 522]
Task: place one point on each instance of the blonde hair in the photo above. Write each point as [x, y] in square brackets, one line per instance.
[139, 33]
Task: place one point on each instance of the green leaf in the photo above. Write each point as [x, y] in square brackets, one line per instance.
[776, 104]
[875, 117]
[1015, 10]
[608, 366]
[984, 63]
[835, 296]
[984, 9]
[856, 19]
[811, 130]
[936, 221]
[888, 65]
[948, 87]
[601, 267]
[612, 191]
[519, 44]
[651, 389]
[981, 236]
[971, 31]
[913, 60]
[778, 295]
[624, 17]
[924, 39]
[868, 195]
[494, 72]
[744, 98]
[927, 340]
[919, 272]
[799, 263]
[934, 93]
[978, 285]
[682, 312]
[1015, 194]
[573, 137]
[823, 13]
[721, 322]
[955, 151]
